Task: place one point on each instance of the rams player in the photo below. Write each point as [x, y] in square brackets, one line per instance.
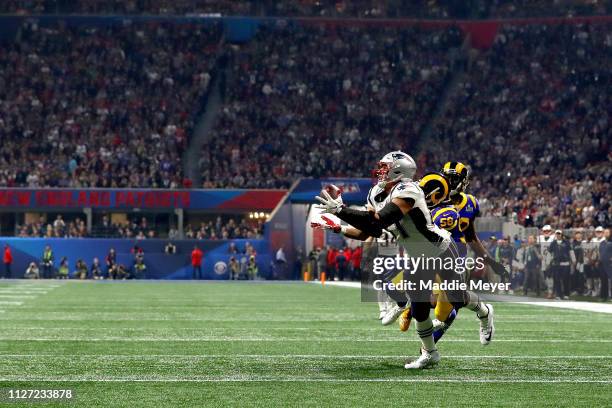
[455, 214]
[402, 209]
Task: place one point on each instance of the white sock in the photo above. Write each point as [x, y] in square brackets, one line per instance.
[475, 305]
[382, 301]
[425, 332]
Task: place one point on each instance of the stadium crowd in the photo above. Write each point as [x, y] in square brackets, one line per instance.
[101, 107]
[139, 228]
[534, 104]
[333, 97]
[437, 9]
[114, 107]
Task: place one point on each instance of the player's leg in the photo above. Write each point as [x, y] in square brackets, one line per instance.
[429, 354]
[445, 314]
[398, 299]
[383, 303]
[468, 299]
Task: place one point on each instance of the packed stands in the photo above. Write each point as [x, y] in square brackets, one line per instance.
[532, 119]
[333, 98]
[101, 107]
[430, 9]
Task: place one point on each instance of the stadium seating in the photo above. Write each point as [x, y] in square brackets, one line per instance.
[438, 9]
[531, 119]
[101, 107]
[333, 98]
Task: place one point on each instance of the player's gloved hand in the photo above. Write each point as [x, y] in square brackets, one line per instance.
[330, 204]
[497, 267]
[327, 223]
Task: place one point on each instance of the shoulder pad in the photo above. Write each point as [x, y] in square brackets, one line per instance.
[407, 189]
[474, 202]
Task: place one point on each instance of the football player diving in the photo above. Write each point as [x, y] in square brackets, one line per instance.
[401, 208]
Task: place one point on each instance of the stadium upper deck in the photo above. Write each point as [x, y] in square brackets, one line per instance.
[320, 8]
[115, 106]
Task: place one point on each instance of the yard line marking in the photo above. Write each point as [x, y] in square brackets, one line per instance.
[291, 356]
[20, 296]
[301, 379]
[10, 302]
[277, 339]
[112, 317]
[253, 329]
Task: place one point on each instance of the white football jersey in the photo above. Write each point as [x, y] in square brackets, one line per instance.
[415, 232]
[386, 243]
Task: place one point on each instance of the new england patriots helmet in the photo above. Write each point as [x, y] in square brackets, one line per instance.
[394, 166]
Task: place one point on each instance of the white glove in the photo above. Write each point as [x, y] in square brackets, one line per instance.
[328, 204]
[327, 223]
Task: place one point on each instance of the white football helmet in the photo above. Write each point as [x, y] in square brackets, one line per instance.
[394, 166]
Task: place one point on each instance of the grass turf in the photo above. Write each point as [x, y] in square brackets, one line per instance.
[213, 344]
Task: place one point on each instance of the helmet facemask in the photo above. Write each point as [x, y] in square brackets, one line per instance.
[381, 173]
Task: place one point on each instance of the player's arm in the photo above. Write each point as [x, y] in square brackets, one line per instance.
[348, 231]
[476, 245]
[368, 222]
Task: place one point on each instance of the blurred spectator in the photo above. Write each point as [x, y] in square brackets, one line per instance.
[196, 262]
[32, 272]
[138, 270]
[63, 270]
[96, 270]
[341, 264]
[80, 270]
[577, 267]
[331, 262]
[7, 259]
[532, 261]
[356, 262]
[561, 251]
[111, 263]
[252, 268]
[137, 252]
[234, 268]
[47, 263]
[605, 252]
[170, 249]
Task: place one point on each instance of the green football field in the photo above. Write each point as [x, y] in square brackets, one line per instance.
[155, 344]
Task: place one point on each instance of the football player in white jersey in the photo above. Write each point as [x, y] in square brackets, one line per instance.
[400, 208]
[387, 246]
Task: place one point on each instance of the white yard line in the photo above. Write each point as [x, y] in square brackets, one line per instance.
[288, 339]
[10, 302]
[242, 379]
[19, 296]
[292, 356]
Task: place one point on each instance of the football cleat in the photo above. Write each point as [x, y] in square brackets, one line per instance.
[392, 315]
[382, 314]
[487, 326]
[404, 320]
[441, 327]
[427, 359]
